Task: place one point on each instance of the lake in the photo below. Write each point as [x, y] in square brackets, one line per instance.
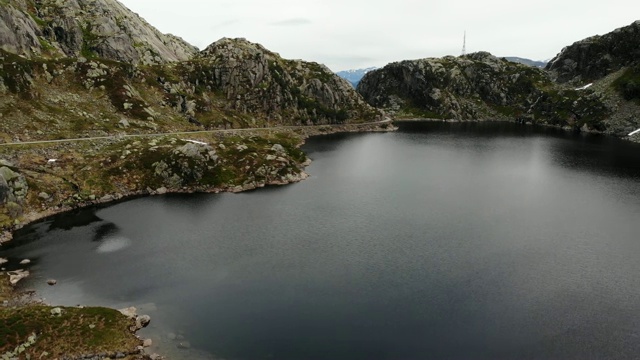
[439, 241]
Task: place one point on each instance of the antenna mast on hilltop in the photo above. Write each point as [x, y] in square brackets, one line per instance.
[464, 43]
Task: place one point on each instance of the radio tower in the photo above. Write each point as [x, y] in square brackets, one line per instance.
[464, 43]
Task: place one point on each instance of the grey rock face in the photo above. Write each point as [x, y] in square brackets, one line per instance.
[19, 33]
[103, 28]
[597, 56]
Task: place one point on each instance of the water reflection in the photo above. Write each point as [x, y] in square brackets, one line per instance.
[74, 218]
[104, 230]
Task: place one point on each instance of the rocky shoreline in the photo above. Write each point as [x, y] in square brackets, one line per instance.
[32, 217]
[303, 132]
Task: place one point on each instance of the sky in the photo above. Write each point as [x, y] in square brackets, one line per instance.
[352, 34]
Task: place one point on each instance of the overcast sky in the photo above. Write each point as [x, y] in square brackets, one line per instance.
[350, 34]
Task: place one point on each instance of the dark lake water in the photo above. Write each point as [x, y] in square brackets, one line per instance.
[440, 241]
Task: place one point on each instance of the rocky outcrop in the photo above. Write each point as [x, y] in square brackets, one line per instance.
[100, 28]
[253, 80]
[595, 57]
[479, 86]
[232, 84]
[19, 33]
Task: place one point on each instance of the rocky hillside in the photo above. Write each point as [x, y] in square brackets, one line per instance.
[480, 86]
[256, 80]
[598, 56]
[91, 68]
[81, 68]
[88, 28]
[231, 84]
[610, 65]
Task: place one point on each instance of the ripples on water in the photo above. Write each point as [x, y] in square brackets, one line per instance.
[438, 241]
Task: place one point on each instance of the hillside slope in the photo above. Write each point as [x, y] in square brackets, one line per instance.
[231, 84]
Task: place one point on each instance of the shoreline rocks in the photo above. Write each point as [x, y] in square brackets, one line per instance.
[303, 131]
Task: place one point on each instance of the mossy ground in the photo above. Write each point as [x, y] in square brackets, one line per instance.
[74, 333]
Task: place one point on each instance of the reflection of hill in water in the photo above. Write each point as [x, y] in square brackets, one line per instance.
[592, 152]
[76, 218]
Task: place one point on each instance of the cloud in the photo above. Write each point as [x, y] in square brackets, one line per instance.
[361, 33]
[292, 22]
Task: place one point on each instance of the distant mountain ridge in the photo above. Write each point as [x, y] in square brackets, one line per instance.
[534, 63]
[354, 75]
